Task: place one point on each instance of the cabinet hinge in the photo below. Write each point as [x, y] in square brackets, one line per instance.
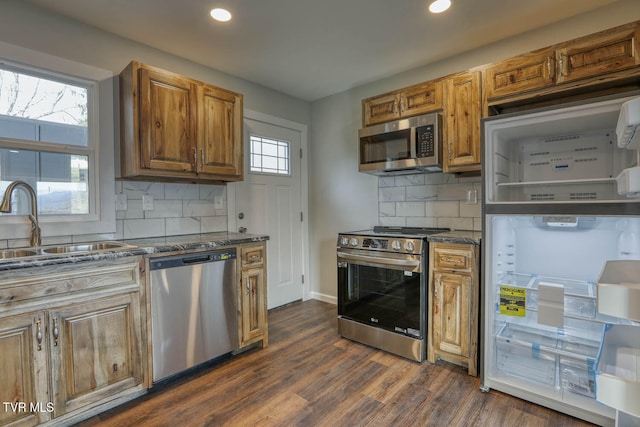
[301, 153]
[301, 216]
[303, 279]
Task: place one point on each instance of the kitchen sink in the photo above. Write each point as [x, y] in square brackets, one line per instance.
[17, 253]
[83, 247]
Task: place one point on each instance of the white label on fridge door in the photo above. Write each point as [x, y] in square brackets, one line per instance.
[551, 304]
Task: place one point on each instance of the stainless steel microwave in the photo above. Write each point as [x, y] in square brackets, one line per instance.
[406, 146]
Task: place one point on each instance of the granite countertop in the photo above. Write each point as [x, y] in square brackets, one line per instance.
[136, 247]
[456, 236]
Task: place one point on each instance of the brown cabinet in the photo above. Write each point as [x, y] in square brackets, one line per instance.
[462, 113]
[523, 73]
[419, 99]
[584, 62]
[23, 369]
[95, 350]
[453, 309]
[177, 128]
[70, 340]
[602, 53]
[252, 295]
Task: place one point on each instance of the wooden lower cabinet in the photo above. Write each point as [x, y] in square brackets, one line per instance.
[453, 309]
[252, 295]
[79, 348]
[96, 351]
[23, 367]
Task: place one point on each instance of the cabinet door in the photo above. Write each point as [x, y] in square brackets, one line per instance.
[603, 53]
[462, 127]
[523, 73]
[253, 306]
[95, 350]
[220, 132]
[421, 99]
[451, 313]
[167, 121]
[23, 370]
[380, 109]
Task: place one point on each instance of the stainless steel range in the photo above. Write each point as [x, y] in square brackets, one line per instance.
[382, 283]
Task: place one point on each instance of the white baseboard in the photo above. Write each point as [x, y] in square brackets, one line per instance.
[324, 298]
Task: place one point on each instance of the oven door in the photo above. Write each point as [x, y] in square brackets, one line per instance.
[382, 290]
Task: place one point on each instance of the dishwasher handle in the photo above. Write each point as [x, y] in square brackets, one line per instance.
[191, 259]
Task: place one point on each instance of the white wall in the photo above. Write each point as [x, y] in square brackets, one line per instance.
[343, 199]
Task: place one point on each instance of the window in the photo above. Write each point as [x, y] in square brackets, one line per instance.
[56, 134]
[269, 156]
[45, 140]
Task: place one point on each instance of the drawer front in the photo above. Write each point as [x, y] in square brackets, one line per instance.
[46, 282]
[252, 256]
[448, 258]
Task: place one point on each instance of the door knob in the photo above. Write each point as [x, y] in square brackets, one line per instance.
[241, 215]
[242, 230]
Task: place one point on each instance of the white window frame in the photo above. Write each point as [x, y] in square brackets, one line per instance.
[99, 149]
[263, 172]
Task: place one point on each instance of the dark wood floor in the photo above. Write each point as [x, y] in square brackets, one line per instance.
[309, 376]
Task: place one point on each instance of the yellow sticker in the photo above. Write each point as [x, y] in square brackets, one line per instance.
[512, 301]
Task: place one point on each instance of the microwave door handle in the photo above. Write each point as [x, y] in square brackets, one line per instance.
[375, 261]
[412, 142]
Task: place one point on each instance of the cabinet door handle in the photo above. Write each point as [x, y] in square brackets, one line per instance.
[561, 65]
[56, 332]
[195, 157]
[401, 105]
[395, 107]
[39, 334]
[549, 67]
[248, 286]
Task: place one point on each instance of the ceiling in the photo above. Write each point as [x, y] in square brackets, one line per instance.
[310, 49]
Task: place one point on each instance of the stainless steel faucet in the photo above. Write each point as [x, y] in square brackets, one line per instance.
[5, 206]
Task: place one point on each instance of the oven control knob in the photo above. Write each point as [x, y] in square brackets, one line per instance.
[409, 246]
[396, 245]
[354, 241]
[344, 241]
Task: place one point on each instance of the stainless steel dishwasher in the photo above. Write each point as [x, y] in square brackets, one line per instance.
[193, 310]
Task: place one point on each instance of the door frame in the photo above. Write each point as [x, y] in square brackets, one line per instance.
[304, 188]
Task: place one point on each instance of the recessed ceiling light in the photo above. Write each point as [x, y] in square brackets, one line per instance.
[439, 6]
[222, 15]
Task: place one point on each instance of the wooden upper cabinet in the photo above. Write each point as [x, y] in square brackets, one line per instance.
[221, 126]
[167, 121]
[178, 129]
[411, 101]
[462, 122]
[576, 64]
[601, 53]
[523, 73]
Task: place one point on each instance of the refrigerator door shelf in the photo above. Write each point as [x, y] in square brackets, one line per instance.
[618, 369]
[619, 289]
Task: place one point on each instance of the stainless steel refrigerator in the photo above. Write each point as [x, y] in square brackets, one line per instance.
[552, 216]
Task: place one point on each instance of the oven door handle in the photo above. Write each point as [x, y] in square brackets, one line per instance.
[374, 261]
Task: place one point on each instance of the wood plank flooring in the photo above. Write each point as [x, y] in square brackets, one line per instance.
[310, 376]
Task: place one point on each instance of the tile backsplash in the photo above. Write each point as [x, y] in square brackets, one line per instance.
[430, 200]
[177, 209]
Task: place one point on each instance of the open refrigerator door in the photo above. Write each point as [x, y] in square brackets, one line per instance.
[552, 218]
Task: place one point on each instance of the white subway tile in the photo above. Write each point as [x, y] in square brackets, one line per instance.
[409, 180]
[394, 221]
[442, 209]
[135, 189]
[410, 209]
[421, 193]
[165, 209]
[422, 222]
[181, 191]
[212, 224]
[193, 208]
[386, 209]
[456, 223]
[139, 228]
[211, 192]
[386, 181]
[391, 194]
[175, 226]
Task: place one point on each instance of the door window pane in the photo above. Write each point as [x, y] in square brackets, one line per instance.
[269, 156]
